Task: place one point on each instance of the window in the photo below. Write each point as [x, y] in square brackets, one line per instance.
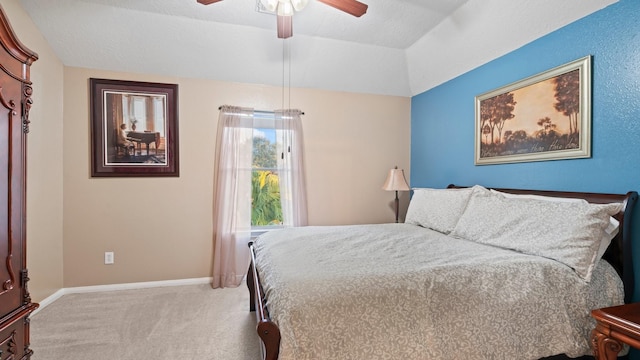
[260, 183]
[266, 206]
[145, 113]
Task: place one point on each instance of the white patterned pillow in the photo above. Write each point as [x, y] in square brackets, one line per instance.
[538, 197]
[568, 232]
[437, 209]
[610, 232]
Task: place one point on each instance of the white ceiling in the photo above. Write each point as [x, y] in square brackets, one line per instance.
[399, 47]
[388, 23]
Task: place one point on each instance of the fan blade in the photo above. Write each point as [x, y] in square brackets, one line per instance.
[285, 26]
[353, 7]
[207, 2]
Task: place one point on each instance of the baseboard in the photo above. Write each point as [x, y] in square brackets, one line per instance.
[116, 287]
[138, 285]
[49, 300]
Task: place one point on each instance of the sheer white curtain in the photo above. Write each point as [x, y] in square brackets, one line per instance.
[232, 204]
[290, 146]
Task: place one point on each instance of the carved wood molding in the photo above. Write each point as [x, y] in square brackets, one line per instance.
[604, 347]
[10, 344]
[26, 107]
[13, 46]
[26, 298]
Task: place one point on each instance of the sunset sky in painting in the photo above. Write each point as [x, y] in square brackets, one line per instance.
[535, 102]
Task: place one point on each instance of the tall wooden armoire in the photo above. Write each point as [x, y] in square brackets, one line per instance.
[15, 102]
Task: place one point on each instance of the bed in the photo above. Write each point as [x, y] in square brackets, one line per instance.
[473, 273]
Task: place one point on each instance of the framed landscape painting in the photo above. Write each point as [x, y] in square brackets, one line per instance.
[543, 117]
[134, 128]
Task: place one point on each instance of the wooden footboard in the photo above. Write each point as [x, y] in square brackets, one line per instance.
[268, 331]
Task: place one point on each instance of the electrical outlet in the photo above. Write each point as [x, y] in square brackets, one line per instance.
[108, 258]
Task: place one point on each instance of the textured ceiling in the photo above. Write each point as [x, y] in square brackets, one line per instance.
[399, 47]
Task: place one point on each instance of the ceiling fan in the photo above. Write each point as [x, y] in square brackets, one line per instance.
[284, 10]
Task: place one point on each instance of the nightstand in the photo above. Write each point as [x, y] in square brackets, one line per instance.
[616, 325]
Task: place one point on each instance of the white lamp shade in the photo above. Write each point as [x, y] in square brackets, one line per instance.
[396, 181]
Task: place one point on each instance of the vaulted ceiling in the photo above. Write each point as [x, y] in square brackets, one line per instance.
[399, 47]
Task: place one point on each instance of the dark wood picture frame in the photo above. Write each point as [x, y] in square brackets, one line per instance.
[134, 129]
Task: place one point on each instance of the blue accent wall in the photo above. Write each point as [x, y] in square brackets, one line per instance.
[442, 119]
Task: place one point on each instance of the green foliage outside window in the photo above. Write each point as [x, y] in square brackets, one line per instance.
[266, 208]
[264, 153]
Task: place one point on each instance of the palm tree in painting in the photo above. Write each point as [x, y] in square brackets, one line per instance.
[547, 127]
[504, 106]
[567, 88]
[494, 112]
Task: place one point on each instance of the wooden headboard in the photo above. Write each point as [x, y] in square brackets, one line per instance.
[619, 253]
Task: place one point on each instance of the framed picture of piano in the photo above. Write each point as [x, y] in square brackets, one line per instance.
[134, 129]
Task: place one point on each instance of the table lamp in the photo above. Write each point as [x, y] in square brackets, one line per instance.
[396, 182]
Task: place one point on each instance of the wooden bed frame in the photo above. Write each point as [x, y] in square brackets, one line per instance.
[618, 254]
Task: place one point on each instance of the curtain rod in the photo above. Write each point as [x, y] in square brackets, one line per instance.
[262, 111]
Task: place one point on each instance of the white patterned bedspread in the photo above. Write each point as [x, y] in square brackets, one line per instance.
[399, 291]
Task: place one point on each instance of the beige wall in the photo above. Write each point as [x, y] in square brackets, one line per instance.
[44, 159]
[161, 229]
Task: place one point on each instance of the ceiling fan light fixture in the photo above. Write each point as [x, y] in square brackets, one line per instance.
[285, 8]
[299, 4]
[270, 5]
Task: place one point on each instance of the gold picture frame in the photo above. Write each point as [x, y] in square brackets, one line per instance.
[544, 117]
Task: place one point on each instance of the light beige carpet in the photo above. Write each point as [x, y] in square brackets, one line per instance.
[181, 322]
